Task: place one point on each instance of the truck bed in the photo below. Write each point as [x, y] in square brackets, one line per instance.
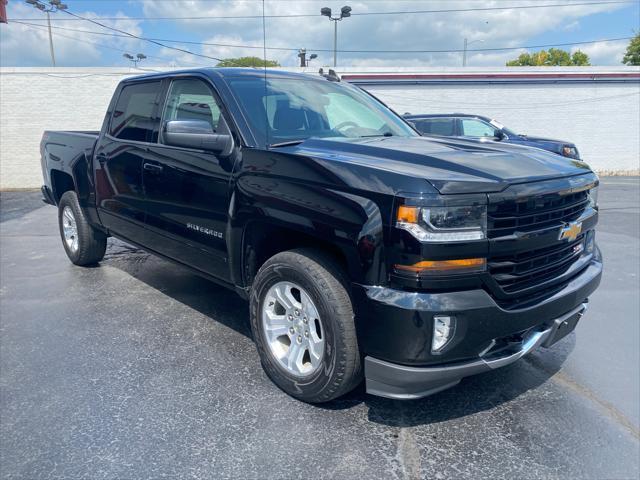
[60, 151]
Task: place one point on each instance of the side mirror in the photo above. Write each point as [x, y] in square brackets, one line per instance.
[500, 135]
[196, 134]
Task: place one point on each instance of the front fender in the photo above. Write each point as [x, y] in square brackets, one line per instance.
[346, 221]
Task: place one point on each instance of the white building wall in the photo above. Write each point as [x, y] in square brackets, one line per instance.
[602, 119]
[32, 101]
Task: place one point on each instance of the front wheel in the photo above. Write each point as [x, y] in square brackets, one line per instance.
[303, 326]
[83, 244]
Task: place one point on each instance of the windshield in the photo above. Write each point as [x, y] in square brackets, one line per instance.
[291, 109]
[497, 124]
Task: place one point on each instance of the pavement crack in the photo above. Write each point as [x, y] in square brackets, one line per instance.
[612, 412]
[408, 454]
[609, 409]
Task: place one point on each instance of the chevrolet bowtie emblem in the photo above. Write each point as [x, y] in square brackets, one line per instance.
[570, 231]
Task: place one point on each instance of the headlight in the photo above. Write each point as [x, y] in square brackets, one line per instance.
[444, 224]
[593, 197]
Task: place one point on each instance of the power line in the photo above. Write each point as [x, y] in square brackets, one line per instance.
[362, 14]
[142, 38]
[109, 47]
[291, 49]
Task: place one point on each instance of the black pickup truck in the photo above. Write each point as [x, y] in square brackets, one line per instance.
[364, 249]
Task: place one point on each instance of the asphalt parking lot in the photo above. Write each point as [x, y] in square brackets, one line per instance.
[138, 368]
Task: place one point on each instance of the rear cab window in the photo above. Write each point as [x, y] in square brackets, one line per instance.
[134, 115]
[437, 126]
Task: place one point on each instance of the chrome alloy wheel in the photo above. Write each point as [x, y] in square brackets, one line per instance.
[70, 229]
[293, 328]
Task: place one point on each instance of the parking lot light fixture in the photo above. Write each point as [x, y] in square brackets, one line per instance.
[53, 6]
[345, 12]
[139, 57]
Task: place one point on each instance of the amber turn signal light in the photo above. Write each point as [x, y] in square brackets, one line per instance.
[408, 214]
[464, 265]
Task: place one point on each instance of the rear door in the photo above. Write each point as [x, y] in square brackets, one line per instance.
[438, 126]
[119, 157]
[187, 190]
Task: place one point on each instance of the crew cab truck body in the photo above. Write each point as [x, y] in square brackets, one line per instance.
[363, 248]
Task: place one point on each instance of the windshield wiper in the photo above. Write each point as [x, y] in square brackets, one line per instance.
[287, 143]
[386, 134]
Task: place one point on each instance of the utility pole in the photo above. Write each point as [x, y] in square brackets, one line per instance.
[464, 53]
[344, 13]
[464, 50]
[53, 56]
[52, 6]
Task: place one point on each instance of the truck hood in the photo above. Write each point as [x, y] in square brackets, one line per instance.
[548, 141]
[450, 165]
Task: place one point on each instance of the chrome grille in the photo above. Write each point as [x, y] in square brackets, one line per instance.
[529, 269]
[534, 213]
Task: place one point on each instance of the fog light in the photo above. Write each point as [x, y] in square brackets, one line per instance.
[443, 327]
[590, 242]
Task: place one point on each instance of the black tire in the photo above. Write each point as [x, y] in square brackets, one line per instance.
[91, 243]
[324, 281]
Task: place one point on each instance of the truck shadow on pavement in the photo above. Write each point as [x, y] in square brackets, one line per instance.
[473, 395]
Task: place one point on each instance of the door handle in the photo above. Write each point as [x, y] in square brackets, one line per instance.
[101, 157]
[152, 168]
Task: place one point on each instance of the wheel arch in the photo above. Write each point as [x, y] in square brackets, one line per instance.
[346, 226]
[61, 182]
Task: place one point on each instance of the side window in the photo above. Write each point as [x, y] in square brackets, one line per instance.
[133, 118]
[475, 128]
[191, 99]
[438, 126]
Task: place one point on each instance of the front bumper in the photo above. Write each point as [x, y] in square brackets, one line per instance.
[400, 382]
[395, 332]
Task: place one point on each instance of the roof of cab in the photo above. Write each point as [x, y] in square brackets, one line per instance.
[227, 72]
[419, 116]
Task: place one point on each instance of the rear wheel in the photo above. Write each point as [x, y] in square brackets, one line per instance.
[303, 325]
[83, 244]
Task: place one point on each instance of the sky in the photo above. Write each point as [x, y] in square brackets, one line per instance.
[79, 42]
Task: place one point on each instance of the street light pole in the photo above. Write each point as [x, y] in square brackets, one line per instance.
[344, 13]
[335, 43]
[54, 6]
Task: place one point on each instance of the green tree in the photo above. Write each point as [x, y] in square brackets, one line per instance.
[632, 56]
[580, 58]
[551, 58]
[247, 62]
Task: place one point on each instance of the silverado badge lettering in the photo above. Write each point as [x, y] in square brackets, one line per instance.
[570, 231]
[206, 231]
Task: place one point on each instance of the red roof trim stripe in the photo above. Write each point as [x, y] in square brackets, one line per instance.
[427, 76]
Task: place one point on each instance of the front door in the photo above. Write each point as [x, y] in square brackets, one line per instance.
[119, 159]
[187, 190]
